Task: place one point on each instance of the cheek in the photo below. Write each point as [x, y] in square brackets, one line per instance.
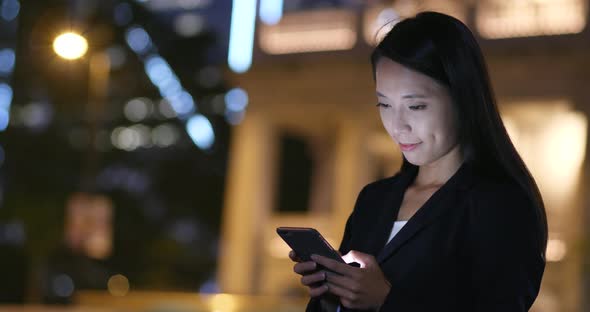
[423, 126]
[382, 115]
[386, 117]
[443, 130]
[434, 128]
[449, 125]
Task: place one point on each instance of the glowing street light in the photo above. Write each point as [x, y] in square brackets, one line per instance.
[70, 46]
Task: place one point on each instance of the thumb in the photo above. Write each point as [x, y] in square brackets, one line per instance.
[365, 260]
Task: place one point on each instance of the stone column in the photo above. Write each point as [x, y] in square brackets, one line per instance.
[351, 170]
[247, 204]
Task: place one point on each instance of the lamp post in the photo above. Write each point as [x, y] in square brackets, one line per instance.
[72, 46]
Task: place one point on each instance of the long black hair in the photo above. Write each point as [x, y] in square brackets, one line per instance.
[443, 48]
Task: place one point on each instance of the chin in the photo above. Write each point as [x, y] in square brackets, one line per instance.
[415, 161]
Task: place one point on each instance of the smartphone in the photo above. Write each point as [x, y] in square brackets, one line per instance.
[308, 241]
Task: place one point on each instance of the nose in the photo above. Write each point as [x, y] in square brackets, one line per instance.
[399, 124]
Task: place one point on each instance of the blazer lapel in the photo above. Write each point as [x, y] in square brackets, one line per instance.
[442, 201]
[388, 211]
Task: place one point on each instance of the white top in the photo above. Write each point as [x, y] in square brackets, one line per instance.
[397, 226]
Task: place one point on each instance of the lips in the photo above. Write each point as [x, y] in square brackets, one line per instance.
[408, 147]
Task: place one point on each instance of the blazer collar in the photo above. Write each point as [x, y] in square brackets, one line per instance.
[439, 203]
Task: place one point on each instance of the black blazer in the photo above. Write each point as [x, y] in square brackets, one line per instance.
[473, 246]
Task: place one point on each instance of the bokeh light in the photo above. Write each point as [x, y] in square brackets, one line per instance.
[70, 45]
[118, 285]
[271, 11]
[9, 9]
[63, 286]
[5, 96]
[236, 100]
[241, 37]
[188, 25]
[165, 135]
[131, 138]
[165, 109]
[138, 39]
[138, 109]
[36, 115]
[4, 119]
[201, 131]
[7, 60]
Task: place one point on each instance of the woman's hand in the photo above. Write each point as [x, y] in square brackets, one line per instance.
[358, 288]
[309, 277]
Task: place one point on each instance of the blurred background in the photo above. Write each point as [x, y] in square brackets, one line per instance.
[149, 148]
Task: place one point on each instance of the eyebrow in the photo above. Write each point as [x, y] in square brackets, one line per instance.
[407, 96]
[414, 96]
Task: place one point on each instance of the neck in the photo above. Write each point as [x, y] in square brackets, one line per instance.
[438, 172]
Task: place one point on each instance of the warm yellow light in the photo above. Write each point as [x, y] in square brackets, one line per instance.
[507, 19]
[118, 285]
[223, 303]
[307, 41]
[278, 249]
[70, 45]
[551, 137]
[324, 30]
[556, 250]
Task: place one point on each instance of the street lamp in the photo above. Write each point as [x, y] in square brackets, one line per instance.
[70, 45]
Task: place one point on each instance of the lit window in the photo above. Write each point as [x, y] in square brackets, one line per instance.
[551, 137]
[379, 19]
[311, 31]
[522, 18]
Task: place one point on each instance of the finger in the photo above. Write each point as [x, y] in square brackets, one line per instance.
[334, 265]
[341, 281]
[365, 260]
[310, 279]
[304, 267]
[341, 292]
[318, 291]
[293, 256]
[347, 303]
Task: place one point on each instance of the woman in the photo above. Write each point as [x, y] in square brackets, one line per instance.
[462, 226]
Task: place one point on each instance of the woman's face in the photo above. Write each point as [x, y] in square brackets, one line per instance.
[416, 111]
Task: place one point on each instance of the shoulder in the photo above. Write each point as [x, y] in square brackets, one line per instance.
[501, 197]
[373, 194]
[381, 184]
[501, 210]
[386, 185]
[504, 249]
[379, 188]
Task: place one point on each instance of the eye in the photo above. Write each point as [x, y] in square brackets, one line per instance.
[417, 107]
[383, 105]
